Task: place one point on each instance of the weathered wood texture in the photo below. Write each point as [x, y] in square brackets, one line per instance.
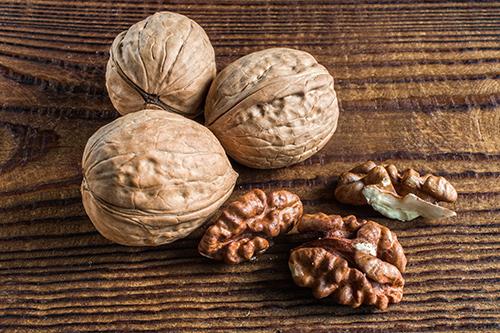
[418, 84]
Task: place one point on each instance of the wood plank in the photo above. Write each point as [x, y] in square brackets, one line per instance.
[419, 86]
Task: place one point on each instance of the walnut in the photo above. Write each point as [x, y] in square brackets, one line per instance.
[151, 177]
[403, 196]
[356, 262]
[272, 108]
[165, 61]
[245, 228]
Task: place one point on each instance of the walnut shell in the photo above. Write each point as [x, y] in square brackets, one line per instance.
[164, 62]
[272, 108]
[152, 177]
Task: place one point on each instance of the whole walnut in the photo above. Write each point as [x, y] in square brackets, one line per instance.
[272, 108]
[165, 61]
[151, 177]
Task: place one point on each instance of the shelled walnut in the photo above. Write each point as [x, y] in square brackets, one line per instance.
[245, 228]
[272, 108]
[165, 61]
[403, 196]
[151, 177]
[355, 261]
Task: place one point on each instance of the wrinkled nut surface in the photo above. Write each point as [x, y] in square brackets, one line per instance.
[165, 61]
[151, 177]
[245, 228]
[356, 262]
[403, 196]
[272, 108]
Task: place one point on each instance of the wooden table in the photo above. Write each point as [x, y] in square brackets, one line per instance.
[418, 84]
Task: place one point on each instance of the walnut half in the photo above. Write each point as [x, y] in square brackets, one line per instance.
[403, 196]
[356, 262]
[245, 228]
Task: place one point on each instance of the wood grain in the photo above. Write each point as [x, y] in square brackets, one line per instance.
[419, 86]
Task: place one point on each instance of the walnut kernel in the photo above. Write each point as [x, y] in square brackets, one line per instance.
[403, 196]
[355, 262]
[246, 226]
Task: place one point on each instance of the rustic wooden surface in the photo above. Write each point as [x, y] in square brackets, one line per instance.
[418, 84]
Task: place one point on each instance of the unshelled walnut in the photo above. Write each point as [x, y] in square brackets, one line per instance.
[165, 61]
[403, 196]
[246, 227]
[151, 177]
[355, 262]
[272, 108]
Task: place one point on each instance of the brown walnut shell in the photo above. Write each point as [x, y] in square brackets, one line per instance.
[272, 108]
[356, 262]
[246, 226]
[151, 177]
[165, 61]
